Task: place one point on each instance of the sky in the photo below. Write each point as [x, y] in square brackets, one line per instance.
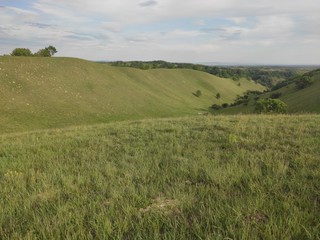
[197, 31]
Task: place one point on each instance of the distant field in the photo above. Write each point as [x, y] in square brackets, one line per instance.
[225, 177]
[39, 93]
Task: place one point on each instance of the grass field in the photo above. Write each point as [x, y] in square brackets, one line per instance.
[40, 93]
[205, 177]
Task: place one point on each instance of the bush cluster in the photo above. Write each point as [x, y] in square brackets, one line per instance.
[270, 106]
[25, 52]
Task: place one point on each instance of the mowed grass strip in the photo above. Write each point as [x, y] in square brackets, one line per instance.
[223, 177]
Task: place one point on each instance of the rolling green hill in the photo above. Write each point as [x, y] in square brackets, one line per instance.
[306, 100]
[57, 92]
[303, 100]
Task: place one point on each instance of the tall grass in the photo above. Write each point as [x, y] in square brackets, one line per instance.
[225, 177]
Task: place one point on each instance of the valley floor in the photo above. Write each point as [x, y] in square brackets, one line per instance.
[205, 177]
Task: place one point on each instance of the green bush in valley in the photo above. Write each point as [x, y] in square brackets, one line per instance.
[225, 105]
[270, 106]
[275, 95]
[215, 106]
[198, 93]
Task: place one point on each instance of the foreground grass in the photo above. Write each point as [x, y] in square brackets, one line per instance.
[235, 177]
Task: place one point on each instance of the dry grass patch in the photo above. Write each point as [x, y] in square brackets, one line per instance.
[164, 206]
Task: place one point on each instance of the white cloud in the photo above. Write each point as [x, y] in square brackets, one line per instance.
[176, 30]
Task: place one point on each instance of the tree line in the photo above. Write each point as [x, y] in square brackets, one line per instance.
[301, 81]
[262, 75]
[25, 52]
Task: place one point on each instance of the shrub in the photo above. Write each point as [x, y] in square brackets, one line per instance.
[197, 93]
[303, 82]
[275, 95]
[225, 105]
[270, 106]
[215, 106]
[21, 52]
[46, 52]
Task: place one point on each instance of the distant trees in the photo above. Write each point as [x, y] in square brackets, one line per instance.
[218, 96]
[259, 74]
[21, 52]
[275, 95]
[215, 106]
[270, 106]
[303, 82]
[240, 100]
[46, 52]
[225, 105]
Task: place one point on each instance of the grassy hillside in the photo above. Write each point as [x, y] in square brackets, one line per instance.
[306, 100]
[303, 100]
[237, 177]
[57, 92]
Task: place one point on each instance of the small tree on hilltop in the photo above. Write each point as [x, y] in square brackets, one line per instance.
[52, 50]
[46, 52]
[25, 52]
[218, 96]
[43, 53]
[270, 106]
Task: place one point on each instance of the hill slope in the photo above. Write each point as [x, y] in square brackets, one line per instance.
[303, 100]
[306, 100]
[57, 92]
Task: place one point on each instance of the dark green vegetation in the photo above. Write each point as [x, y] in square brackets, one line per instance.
[224, 177]
[25, 52]
[38, 93]
[270, 106]
[301, 94]
[46, 52]
[267, 76]
[21, 52]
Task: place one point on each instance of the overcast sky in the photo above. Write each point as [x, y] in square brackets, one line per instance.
[225, 31]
